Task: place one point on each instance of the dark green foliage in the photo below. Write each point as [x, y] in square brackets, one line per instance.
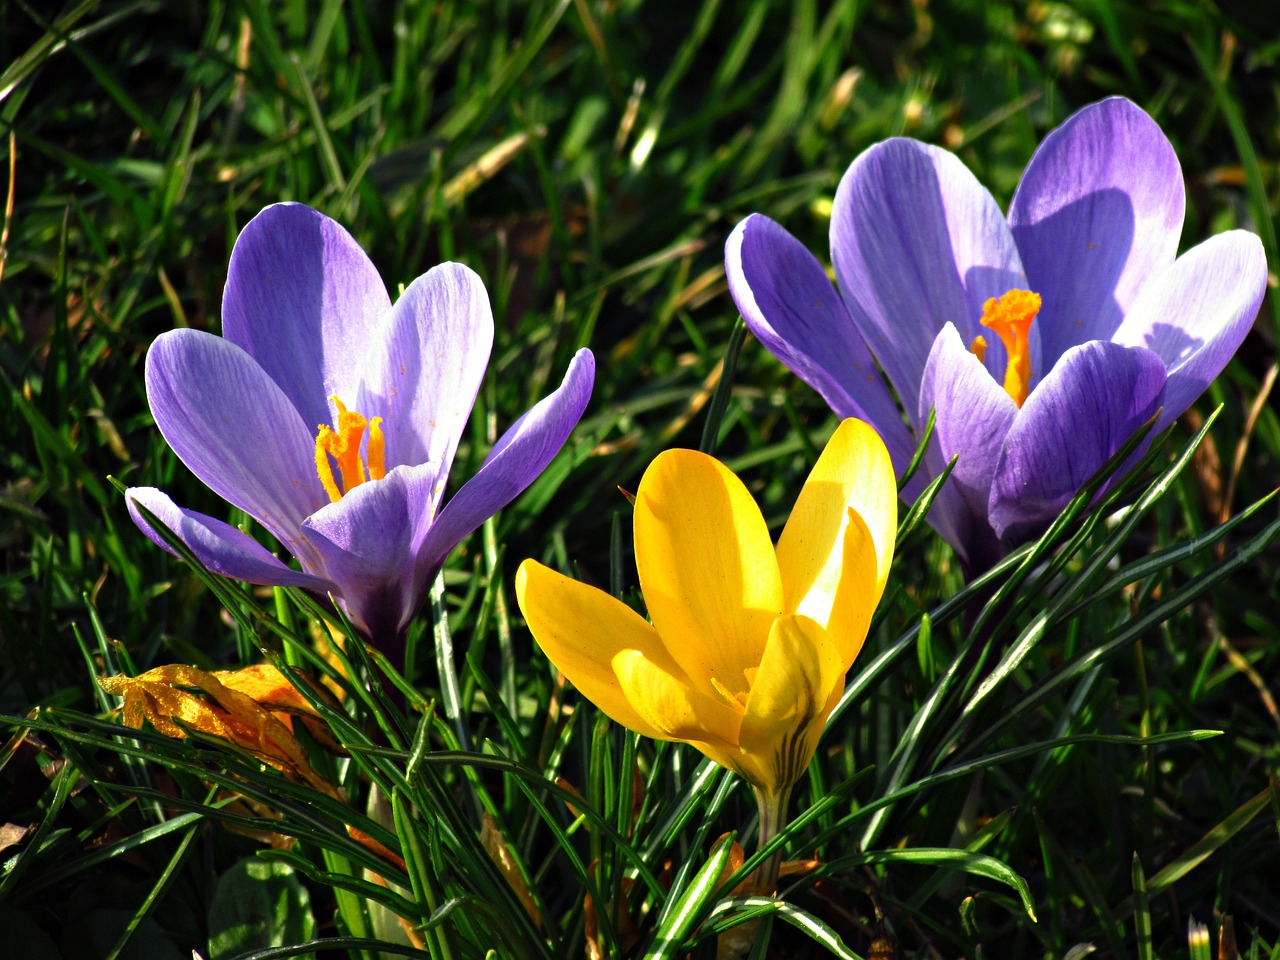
[1042, 736]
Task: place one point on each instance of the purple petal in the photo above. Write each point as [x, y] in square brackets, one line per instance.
[365, 545]
[515, 461]
[425, 364]
[974, 413]
[1197, 312]
[917, 242]
[790, 305]
[234, 428]
[1098, 211]
[302, 299]
[220, 547]
[1083, 411]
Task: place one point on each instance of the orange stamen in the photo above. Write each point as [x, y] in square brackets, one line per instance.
[979, 348]
[343, 445]
[1010, 316]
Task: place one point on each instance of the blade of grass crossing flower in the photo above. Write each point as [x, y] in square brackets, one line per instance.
[917, 458]
[1095, 566]
[1150, 619]
[684, 912]
[920, 509]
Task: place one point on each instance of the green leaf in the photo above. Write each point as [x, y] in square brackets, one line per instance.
[258, 904]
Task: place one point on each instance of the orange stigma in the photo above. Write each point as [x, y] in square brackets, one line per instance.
[1010, 316]
[343, 445]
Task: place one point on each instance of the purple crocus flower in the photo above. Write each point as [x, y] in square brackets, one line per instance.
[331, 416]
[1043, 339]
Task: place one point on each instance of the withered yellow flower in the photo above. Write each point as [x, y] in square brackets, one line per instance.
[749, 644]
[238, 706]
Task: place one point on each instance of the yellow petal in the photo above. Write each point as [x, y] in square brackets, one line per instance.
[581, 630]
[671, 706]
[798, 683]
[707, 567]
[856, 592]
[853, 471]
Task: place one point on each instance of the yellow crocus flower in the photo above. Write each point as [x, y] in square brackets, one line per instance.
[749, 644]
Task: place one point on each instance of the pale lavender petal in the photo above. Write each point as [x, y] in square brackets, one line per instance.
[1197, 312]
[219, 546]
[515, 461]
[1097, 396]
[917, 242]
[790, 305]
[974, 413]
[425, 363]
[235, 429]
[302, 298]
[365, 545]
[1098, 212]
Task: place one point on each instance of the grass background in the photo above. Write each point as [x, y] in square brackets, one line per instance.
[588, 158]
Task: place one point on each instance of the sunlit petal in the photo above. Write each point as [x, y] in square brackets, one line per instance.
[854, 471]
[581, 630]
[707, 567]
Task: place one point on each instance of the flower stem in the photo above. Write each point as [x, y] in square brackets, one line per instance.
[773, 817]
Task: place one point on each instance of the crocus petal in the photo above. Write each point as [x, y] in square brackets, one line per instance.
[707, 567]
[219, 546]
[918, 242]
[235, 429]
[1088, 405]
[1098, 212]
[853, 472]
[1195, 314]
[302, 299]
[424, 364]
[663, 695]
[515, 461]
[854, 598]
[364, 542]
[581, 630]
[973, 415]
[789, 702]
[788, 302]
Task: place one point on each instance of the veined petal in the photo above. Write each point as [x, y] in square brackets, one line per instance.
[220, 412]
[917, 242]
[516, 460]
[1091, 402]
[974, 413]
[424, 363]
[1097, 214]
[364, 542]
[661, 693]
[302, 298]
[707, 567]
[789, 702]
[853, 472]
[790, 305]
[1197, 312]
[581, 630]
[219, 546]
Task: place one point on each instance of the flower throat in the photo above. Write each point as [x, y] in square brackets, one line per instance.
[343, 445]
